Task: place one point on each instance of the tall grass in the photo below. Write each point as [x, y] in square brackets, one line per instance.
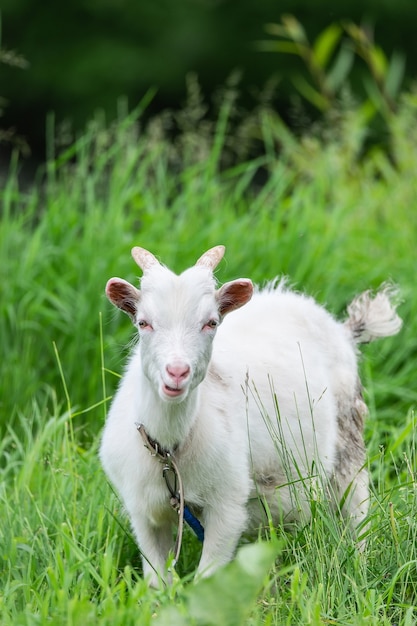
[336, 222]
[68, 557]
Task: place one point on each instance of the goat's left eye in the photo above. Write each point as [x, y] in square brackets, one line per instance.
[211, 324]
[142, 324]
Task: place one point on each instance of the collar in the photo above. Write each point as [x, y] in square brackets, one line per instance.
[154, 446]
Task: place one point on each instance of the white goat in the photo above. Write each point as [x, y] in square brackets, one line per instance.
[245, 405]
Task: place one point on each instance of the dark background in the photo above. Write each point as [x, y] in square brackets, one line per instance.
[84, 54]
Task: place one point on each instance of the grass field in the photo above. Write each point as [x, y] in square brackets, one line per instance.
[336, 221]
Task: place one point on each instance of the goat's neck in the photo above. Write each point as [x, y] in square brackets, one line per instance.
[169, 424]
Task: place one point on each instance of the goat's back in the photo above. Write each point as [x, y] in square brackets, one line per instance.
[290, 366]
[289, 338]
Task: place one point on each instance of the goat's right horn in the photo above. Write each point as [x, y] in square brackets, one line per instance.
[212, 257]
[143, 258]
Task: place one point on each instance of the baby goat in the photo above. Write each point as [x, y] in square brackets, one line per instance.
[253, 408]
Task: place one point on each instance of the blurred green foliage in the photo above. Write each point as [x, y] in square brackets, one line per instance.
[328, 80]
[329, 61]
[85, 54]
[8, 135]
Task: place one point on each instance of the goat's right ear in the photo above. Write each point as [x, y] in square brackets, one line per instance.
[123, 295]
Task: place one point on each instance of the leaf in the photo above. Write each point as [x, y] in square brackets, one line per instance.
[228, 596]
[172, 616]
[395, 74]
[278, 30]
[340, 69]
[325, 44]
[294, 29]
[367, 111]
[374, 94]
[378, 61]
[310, 93]
[356, 33]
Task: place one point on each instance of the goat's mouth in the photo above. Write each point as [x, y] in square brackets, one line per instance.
[172, 392]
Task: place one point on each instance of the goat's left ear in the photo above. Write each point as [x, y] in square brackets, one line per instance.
[123, 295]
[233, 295]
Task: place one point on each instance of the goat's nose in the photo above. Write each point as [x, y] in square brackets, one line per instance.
[178, 371]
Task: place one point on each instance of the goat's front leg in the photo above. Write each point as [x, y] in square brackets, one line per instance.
[223, 526]
[155, 543]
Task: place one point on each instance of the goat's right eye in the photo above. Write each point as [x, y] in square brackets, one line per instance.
[211, 324]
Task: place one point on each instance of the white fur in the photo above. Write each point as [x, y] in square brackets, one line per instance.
[258, 409]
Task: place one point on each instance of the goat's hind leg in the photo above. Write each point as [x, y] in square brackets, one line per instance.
[352, 498]
[357, 506]
[350, 482]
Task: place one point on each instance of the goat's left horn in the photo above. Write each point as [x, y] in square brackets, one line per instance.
[212, 257]
[143, 258]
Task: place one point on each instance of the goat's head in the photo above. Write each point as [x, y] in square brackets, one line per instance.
[177, 318]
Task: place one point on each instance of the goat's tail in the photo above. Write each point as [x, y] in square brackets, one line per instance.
[373, 316]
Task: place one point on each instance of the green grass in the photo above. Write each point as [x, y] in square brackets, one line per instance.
[336, 224]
